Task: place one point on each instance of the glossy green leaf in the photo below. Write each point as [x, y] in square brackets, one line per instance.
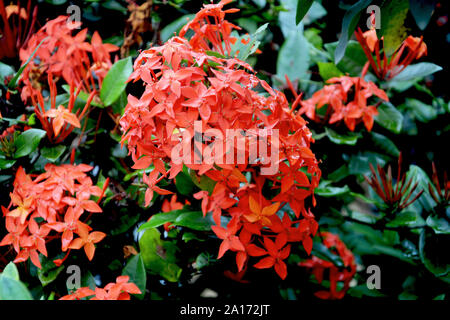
[328, 70]
[6, 163]
[11, 271]
[354, 59]
[27, 142]
[135, 269]
[53, 153]
[416, 72]
[49, 271]
[293, 58]
[302, 9]
[184, 184]
[393, 15]
[159, 256]
[385, 144]
[430, 249]
[349, 22]
[389, 117]
[115, 81]
[11, 289]
[349, 139]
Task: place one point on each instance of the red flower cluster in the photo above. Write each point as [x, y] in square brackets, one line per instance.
[385, 67]
[54, 200]
[66, 56]
[120, 290]
[340, 106]
[319, 266]
[17, 25]
[185, 83]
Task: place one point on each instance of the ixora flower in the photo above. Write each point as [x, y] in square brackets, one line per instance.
[337, 98]
[344, 274]
[120, 290]
[59, 121]
[385, 67]
[17, 26]
[65, 56]
[184, 83]
[58, 198]
[398, 196]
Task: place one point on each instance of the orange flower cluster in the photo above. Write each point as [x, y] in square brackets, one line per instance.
[120, 290]
[337, 97]
[185, 83]
[318, 266]
[385, 68]
[66, 56]
[54, 200]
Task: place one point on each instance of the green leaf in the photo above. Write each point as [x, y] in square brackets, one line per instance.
[421, 111]
[286, 18]
[184, 184]
[202, 261]
[189, 219]
[302, 9]
[390, 251]
[159, 219]
[321, 251]
[389, 117]
[438, 224]
[53, 153]
[353, 60]
[6, 164]
[363, 217]
[27, 142]
[385, 144]
[174, 27]
[12, 289]
[359, 163]
[115, 81]
[349, 22]
[430, 251]
[13, 82]
[159, 256]
[11, 271]
[328, 70]
[293, 58]
[349, 139]
[415, 72]
[417, 175]
[406, 219]
[88, 280]
[49, 271]
[194, 220]
[327, 191]
[393, 15]
[135, 269]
